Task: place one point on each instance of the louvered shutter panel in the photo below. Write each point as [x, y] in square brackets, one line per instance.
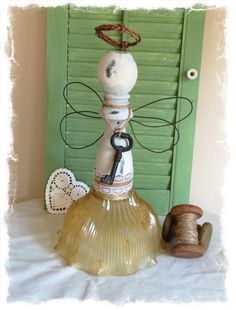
[158, 58]
[162, 58]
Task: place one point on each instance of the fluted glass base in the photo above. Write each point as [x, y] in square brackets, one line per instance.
[107, 235]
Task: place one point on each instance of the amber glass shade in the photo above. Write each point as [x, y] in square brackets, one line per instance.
[107, 235]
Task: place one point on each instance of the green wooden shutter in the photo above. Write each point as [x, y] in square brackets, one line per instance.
[171, 44]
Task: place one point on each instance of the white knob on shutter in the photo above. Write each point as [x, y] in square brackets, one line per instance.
[192, 74]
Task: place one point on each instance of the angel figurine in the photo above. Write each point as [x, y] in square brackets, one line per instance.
[111, 230]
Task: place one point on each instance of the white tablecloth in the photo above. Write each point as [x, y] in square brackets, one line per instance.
[36, 273]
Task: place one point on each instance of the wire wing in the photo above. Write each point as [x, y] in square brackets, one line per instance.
[165, 123]
[89, 114]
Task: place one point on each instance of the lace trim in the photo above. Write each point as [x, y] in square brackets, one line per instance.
[122, 184]
[113, 190]
[118, 178]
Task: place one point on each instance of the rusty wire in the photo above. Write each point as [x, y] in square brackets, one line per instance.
[123, 45]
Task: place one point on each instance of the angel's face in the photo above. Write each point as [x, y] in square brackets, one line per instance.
[117, 74]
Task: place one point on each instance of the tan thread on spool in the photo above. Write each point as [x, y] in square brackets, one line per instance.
[180, 229]
[185, 230]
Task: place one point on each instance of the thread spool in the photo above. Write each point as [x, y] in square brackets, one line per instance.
[187, 239]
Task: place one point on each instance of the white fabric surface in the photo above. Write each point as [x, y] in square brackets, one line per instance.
[36, 273]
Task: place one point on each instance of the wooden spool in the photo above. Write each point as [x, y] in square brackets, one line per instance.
[169, 231]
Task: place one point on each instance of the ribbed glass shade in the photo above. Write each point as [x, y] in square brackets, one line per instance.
[105, 235]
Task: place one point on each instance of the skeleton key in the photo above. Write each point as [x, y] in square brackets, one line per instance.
[109, 178]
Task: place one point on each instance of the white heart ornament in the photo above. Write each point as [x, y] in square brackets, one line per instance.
[62, 189]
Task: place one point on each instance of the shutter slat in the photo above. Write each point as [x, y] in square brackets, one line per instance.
[148, 73]
[175, 20]
[162, 169]
[91, 42]
[156, 87]
[148, 181]
[162, 131]
[151, 182]
[158, 30]
[84, 153]
[77, 97]
[157, 142]
[161, 158]
[148, 16]
[84, 164]
[163, 45]
[158, 58]
[77, 125]
[141, 87]
[167, 114]
[87, 27]
[91, 152]
[159, 73]
[172, 31]
[138, 100]
[95, 13]
[81, 55]
[78, 129]
[156, 112]
[88, 41]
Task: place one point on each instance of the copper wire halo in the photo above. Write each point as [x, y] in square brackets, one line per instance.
[123, 45]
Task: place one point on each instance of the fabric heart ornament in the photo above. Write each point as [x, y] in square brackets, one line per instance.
[62, 189]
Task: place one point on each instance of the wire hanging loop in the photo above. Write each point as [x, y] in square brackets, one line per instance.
[123, 45]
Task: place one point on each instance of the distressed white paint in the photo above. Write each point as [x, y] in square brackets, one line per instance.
[117, 74]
